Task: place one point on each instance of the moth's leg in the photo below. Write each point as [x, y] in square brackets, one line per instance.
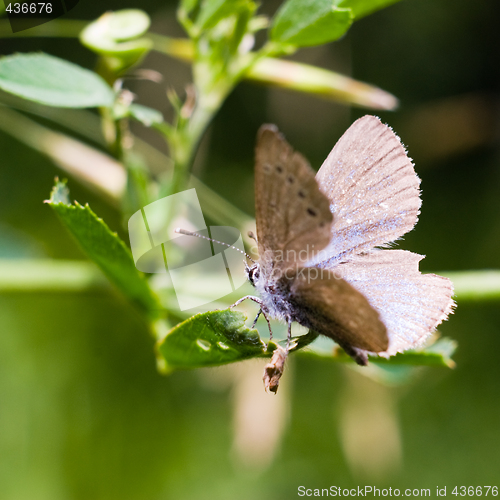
[249, 297]
[263, 311]
[268, 322]
[256, 318]
[288, 336]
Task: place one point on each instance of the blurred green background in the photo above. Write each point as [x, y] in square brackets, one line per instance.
[83, 411]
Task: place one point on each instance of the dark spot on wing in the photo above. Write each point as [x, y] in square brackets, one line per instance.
[302, 194]
[290, 179]
[312, 212]
[279, 169]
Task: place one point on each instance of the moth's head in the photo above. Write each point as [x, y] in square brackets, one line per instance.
[253, 273]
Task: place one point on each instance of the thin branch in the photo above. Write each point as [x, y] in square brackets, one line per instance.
[475, 285]
[47, 275]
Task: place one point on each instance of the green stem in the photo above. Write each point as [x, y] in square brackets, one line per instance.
[476, 285]
[292, 75]
[47, 275]
[24, 275]
[184, 141]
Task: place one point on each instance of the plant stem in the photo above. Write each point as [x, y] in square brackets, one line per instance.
[47, 275]
[475, 285]
[294, 76]
[185, 139]
[21, 275]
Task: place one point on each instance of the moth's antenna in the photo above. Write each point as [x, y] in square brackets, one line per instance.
[190, 233]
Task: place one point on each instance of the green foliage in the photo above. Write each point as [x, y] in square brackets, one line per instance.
[52, 81]
[188, 5]
[361, 8]
[220, 337]
[213, 11]
[210, 339]
[220, 48]
[105, 248]
[84, 414]
[437, 354]
[143, 114]
[306, 22]
[117, 37]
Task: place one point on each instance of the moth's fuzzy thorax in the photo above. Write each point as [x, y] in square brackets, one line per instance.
[274, 294]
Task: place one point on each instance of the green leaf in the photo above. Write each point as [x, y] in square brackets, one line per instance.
[212, 11]
[400, 369]
[302, 341]
[52, 81]
[437, 354]
[147, 116]
[361, 8]
[105, 248]
[396, 370]
[116, 36]
[310, 22]
[188, 5]
[126, 24]
[210, 339]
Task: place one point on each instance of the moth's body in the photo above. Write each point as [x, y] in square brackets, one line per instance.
[275, 296]
[319, 264]
[278, 301]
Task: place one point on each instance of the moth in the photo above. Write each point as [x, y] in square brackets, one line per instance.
[323, 245]
[322, 242]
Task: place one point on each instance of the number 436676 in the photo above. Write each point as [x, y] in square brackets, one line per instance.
[477, 491]
[31, 8]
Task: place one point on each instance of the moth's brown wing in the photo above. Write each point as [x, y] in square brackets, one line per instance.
[373, 189]
[333, 307]
[410, 304]
[293, 215]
